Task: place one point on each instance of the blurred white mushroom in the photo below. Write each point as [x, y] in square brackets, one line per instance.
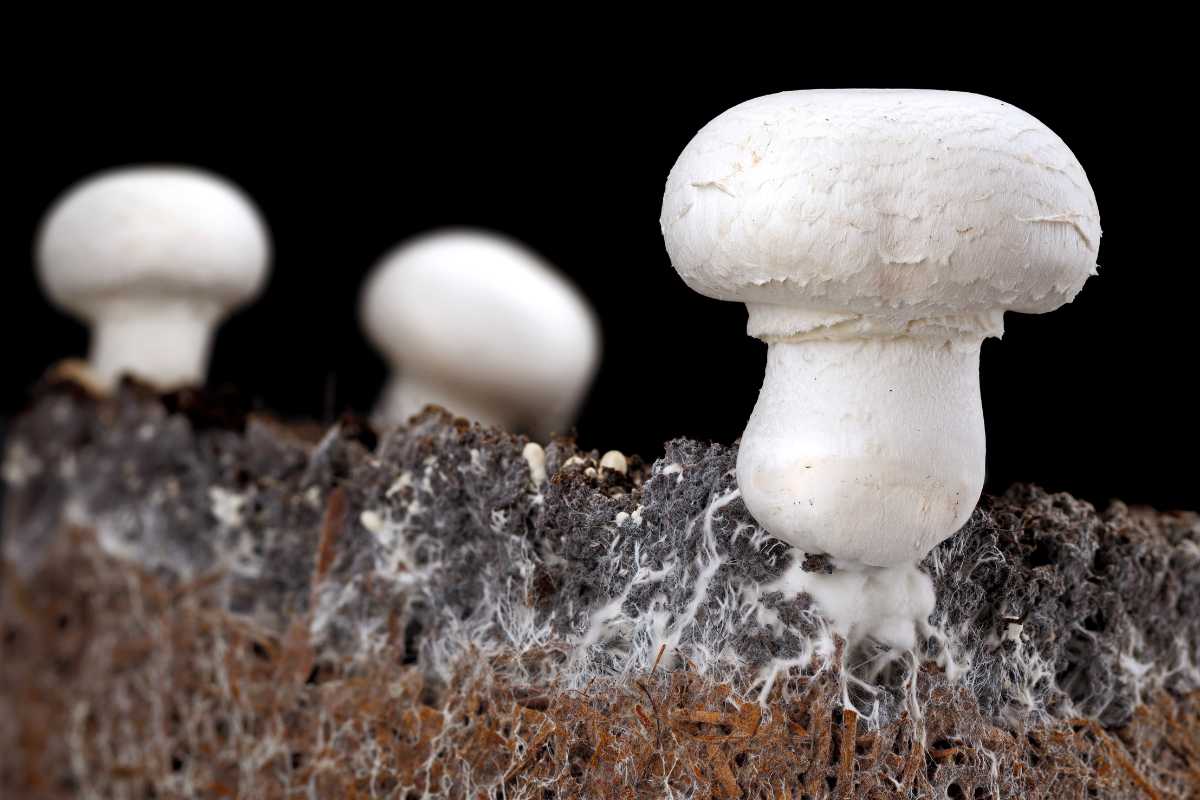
[480, 325]
[153, 258]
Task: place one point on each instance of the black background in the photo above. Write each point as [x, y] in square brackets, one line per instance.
[1096, 398]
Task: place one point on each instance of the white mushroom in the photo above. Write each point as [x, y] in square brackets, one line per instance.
[876, 237]
[153, 258]
[478, 324]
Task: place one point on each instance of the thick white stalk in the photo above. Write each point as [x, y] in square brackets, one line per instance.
[869, 449]
[165, 342]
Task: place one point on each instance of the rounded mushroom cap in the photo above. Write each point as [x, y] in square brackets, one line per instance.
[152, 230]
[480, 312]
[901, 203]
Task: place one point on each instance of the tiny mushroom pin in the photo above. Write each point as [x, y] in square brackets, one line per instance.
[480, 325]
[876, 238]
[535, 459]
[153, 258]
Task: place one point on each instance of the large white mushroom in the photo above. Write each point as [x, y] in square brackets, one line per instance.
[482, 326]
[876, 238]
[153, 258]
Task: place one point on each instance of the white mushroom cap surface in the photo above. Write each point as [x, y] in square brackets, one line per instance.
[481, 325]
[876, 237]
[153, 257]
[893, 205]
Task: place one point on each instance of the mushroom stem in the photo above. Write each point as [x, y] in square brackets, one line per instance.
[160, 340]
[407, 394]
[869, 448]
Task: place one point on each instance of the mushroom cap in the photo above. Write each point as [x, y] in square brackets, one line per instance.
[903, 203]
[481, 312]
[154, 230]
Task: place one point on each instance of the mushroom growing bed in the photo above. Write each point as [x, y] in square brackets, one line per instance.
[196, 603]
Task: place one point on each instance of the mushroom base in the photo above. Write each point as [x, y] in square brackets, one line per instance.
[870, 450]
[405, 396]
[890, 606]
[408, 394]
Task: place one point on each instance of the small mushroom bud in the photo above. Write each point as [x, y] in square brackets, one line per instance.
[615, 461]
[483, 327]
[876, 238]
[535, 457]
[153, 258]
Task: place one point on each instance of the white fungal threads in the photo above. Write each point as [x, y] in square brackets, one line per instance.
[876, 237]
[483, 327]
[153, 258]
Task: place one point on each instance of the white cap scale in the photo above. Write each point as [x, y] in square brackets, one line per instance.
[876, 237]
[480, 325]
[153, 258]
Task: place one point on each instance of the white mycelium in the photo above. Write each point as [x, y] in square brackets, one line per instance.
[478, 324]
[153, 258]
[876, 238]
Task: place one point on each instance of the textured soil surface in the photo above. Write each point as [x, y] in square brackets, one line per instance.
[197, 603]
